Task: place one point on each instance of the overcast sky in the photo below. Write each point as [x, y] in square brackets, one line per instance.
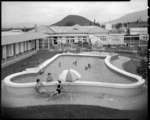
[47, 13]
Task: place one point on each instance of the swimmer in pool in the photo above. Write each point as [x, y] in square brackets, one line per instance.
[89, 65]
[59, 64]
[75, 62]
[86, 68]
[49, 78]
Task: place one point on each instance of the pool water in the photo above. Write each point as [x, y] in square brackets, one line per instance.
[98, 72]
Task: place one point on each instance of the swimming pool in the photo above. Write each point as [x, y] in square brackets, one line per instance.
[99, 72]
[102, 78]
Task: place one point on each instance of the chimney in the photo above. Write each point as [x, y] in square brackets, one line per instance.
[35, 27]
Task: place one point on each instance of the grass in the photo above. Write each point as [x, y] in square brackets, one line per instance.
[72, 112]
[131, 66]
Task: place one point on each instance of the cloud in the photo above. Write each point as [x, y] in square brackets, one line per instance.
[51, 12]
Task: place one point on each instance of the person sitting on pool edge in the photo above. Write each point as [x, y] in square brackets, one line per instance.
[49, 78]
[86, 68]
[58, 90]
[39, 88]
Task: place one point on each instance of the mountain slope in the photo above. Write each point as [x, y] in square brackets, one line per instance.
[131, 17]
[73, 19]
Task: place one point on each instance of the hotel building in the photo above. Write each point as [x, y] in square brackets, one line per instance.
[18, 46]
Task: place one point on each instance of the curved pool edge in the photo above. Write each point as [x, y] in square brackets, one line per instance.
[139, 79]
[78, 86]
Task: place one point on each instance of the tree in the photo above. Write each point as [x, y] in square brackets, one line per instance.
[97, 24]
[125, 24]
[103, 26]
[90, 23]
[118, 25]
[142, 51]
[143, 69]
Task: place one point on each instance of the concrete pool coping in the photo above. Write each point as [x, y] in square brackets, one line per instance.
[24, 89]
[107, 60]
[123, 103]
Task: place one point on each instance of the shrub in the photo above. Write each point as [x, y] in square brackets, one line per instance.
[142, 69]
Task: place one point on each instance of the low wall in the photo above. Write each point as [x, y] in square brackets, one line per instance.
[23, 89]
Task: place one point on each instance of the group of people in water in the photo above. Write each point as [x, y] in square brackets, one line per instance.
[88, 66]
[75, 63]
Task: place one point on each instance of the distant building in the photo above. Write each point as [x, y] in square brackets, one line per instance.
[50, 37]
[138, 28]
[15, 31]
[123, 29]
[138, 34]
[108, 26]
[12, 32]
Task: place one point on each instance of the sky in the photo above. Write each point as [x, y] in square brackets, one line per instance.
[46, 13]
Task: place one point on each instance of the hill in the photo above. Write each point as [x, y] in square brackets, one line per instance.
[72, 20]
[131, 17]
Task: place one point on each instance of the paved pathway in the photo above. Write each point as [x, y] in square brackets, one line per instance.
[123, 103]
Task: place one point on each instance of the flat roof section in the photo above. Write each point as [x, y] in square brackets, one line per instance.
[70, 35]
[43, 29]
[22, 37]
[78, 29]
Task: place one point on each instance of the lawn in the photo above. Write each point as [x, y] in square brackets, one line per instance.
[26, 63]
[131, 66]
[72, 112]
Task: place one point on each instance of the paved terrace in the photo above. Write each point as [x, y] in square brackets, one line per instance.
[123, 103]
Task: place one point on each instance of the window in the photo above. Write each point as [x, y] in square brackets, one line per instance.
[72, 40]
[55, 41]
[45, 43]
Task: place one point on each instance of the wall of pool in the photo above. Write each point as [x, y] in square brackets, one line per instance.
[23, 89]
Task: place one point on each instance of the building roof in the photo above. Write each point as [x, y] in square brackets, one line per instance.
[78, 29]
[21, 37]
[16, 31]
[137, 25]
[64, 35]
[43, 29]
[7, 33]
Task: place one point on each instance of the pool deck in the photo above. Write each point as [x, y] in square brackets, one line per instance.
[123, 103]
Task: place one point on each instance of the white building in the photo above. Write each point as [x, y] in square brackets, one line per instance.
[14, 45]
[138, 31]
[51, 37]
[108, 26]
[138, 34]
